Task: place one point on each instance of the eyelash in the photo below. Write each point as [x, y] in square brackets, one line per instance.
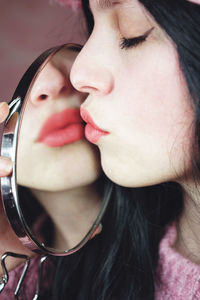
[134, 42]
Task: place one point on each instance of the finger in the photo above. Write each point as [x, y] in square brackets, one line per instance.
[97, 231]
[4, 111]
[5, 166]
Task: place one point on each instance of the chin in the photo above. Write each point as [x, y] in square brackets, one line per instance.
[114, 174]
[130, 178]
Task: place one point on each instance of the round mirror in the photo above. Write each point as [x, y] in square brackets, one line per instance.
[55, 198]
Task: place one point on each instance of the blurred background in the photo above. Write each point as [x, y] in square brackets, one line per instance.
[27, 28]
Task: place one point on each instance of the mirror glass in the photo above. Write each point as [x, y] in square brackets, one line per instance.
[58, 175]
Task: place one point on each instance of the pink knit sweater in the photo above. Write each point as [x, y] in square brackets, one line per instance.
[28, 287]
[179, 278]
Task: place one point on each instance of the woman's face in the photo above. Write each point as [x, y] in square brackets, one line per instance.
[137, 96]
[53, 154]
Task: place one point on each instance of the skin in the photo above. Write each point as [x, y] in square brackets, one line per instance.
[139, 95]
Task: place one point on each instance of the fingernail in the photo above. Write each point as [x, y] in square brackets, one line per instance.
[2, 104]
[5, 165]
[97, 231]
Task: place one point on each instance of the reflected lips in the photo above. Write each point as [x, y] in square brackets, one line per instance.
[62, 128]
[92, 132]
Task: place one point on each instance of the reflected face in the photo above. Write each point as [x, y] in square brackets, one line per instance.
[138, 109]
[53, 154]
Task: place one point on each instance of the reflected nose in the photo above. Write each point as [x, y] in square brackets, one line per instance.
[89, 75]
[51, 84]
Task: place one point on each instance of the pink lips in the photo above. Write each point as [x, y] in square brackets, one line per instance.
[92, 132]
[62, 128]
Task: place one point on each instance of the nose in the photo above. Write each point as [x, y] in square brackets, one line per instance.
[89, 74]
[51, 84]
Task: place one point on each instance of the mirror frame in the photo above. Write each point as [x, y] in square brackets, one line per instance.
[9, 187]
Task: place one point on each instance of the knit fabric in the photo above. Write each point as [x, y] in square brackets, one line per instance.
[29, 284]
[177, 277]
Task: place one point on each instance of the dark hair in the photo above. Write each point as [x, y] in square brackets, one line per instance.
[121, 262]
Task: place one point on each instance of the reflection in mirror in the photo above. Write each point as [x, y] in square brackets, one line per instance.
[58, 171]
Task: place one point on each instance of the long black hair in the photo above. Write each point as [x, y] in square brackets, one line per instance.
[120, 263]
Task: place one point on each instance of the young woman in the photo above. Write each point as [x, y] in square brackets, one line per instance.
[141, 68]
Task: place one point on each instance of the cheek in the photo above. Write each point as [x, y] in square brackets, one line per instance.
[155, 100]
[152, 119]
[32, 121]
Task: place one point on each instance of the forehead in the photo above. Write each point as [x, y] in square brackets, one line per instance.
[131, 8]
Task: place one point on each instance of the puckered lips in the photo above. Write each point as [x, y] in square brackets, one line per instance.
[92, 132]
[62, 128]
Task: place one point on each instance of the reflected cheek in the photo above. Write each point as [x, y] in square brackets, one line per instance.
[30, 126]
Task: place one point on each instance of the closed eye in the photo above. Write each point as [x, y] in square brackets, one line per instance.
[134, 42]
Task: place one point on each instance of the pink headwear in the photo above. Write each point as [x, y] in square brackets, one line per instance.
[74, 4]
[194, 1]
